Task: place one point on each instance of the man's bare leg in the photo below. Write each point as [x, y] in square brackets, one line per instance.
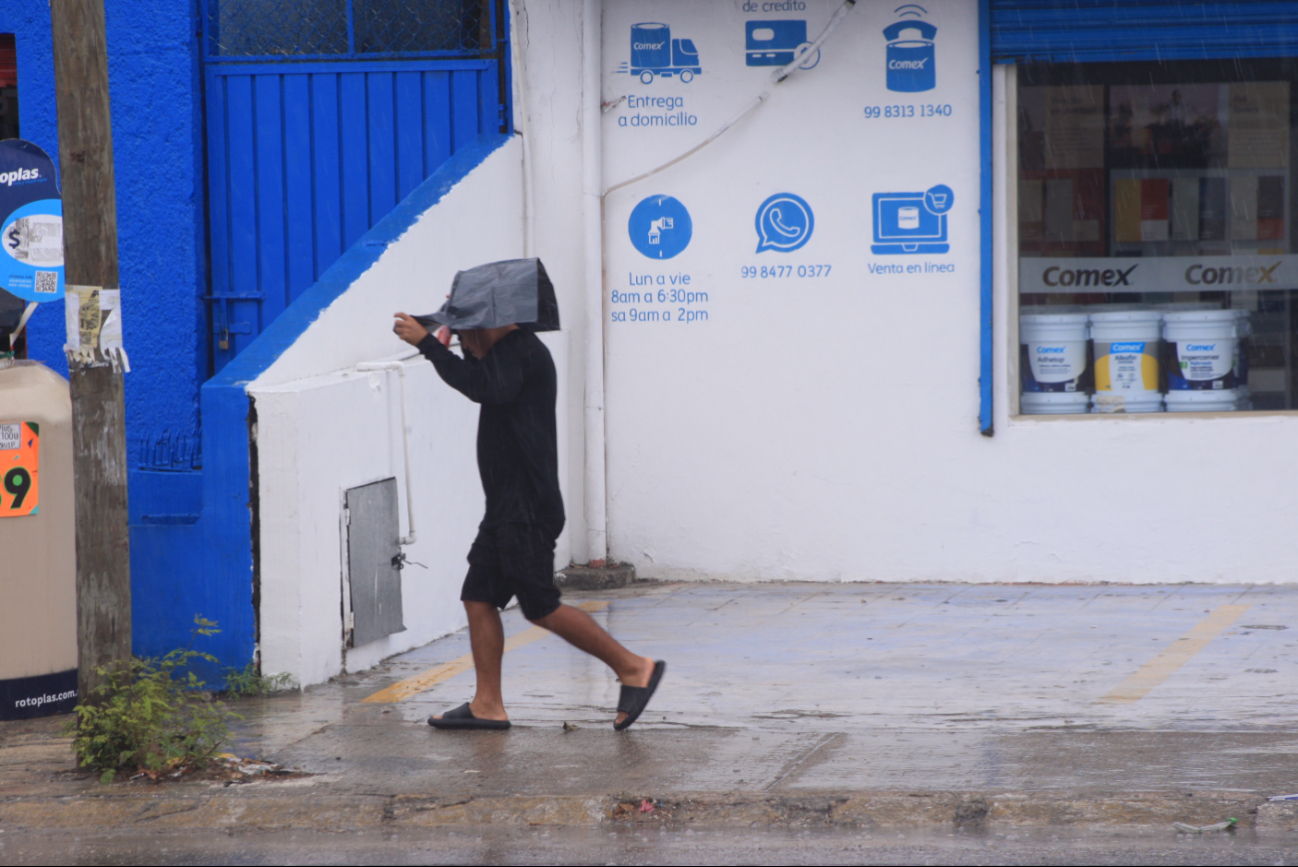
[581, 631]
[487, 639]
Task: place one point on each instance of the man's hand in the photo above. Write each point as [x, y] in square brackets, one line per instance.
[408, 329]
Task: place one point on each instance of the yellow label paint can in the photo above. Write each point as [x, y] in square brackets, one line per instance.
[1126, 348]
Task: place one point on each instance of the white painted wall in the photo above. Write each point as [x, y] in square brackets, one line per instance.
[479, 220]
[828, 430]
[549, 70]
[324, 427]
[316, 438]
[817, 430]
[783, 433]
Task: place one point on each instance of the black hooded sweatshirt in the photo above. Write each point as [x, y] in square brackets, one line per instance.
[518, 453]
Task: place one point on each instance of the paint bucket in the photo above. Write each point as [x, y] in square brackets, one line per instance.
[1243, 333]
[1054, 402]
[651, 46]
[910, 60]
[1052, 351]
[1125, 349]
[1140, 401]
[1202, 401]
[910, 66]
[1201, 349]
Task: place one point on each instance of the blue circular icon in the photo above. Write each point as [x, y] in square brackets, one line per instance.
[784, 223]
[812, 61]
[660, 227]
[939, 199]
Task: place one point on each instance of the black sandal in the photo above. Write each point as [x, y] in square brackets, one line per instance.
[634, 699]
[463, 718]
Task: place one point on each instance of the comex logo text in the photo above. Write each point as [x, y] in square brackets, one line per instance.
[1057, 276]
[1198, 274]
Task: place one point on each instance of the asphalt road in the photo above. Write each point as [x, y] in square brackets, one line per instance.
[874, 723]
[634, 846]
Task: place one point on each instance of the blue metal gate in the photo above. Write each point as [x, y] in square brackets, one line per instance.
[321, 117]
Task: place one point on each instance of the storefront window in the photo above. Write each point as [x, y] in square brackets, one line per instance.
[1156, 240]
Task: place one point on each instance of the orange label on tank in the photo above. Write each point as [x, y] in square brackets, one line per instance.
[20, 449]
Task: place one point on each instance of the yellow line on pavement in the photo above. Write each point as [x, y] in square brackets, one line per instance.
[1167, 663]
[412, 686]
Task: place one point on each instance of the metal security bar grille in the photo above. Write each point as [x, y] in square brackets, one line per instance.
[268, 30]
[322, 115]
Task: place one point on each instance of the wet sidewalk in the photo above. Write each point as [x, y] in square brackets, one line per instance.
[858, 703]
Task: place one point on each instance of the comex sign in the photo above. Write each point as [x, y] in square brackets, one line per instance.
[1252, 275]
[1057, 276]
[1170, 274]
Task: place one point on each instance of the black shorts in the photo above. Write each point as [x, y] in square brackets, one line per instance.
[511, 560]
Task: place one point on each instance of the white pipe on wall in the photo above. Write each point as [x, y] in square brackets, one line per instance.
[523, 124]
[592, 221]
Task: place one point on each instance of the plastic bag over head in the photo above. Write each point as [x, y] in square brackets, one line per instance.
[513, 292]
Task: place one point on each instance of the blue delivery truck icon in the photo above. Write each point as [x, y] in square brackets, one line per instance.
[912, 222]
[655, 54]
[910, 56]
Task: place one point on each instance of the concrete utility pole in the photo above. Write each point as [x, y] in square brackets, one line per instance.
[98, 408]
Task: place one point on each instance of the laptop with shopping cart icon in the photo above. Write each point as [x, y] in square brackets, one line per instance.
[912, 223]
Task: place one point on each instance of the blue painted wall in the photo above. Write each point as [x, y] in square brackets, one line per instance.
[154, 81]
[191, 520]
[153, 75]
[29, 21]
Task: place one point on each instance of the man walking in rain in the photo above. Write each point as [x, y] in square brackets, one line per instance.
[495, 309]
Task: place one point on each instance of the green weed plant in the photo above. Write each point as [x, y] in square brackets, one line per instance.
[248, 682]
[151, 715]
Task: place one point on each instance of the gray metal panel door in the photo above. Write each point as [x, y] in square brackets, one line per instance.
[373, 546]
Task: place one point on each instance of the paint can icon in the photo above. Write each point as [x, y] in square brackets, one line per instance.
[651, 46]
[911, 59]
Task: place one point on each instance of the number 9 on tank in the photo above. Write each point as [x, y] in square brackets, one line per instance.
[19, 462]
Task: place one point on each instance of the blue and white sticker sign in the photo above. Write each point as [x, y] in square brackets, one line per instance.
[660, 227]
[31, 223]
[784, 222]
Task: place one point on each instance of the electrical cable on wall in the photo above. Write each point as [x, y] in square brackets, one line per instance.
[777, 77]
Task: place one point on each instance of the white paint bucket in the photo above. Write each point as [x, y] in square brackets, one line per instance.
[1202, 401]
[1052, 351]
[1201, 349]
[1126, 358]
[1054, 402]
[1141, 401]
